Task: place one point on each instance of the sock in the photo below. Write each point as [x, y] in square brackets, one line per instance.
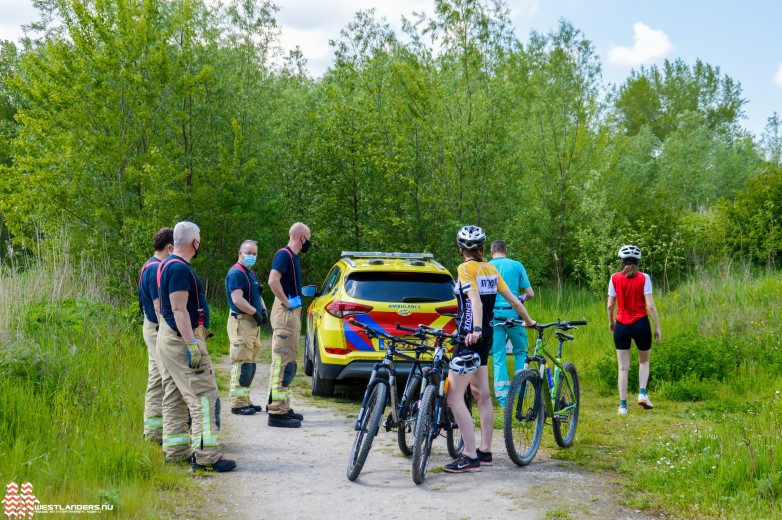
[623, 403]
[642, 391]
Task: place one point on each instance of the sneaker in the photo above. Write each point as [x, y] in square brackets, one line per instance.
[221, 466]
[485, 458]
[256, 407]
[463, 464]
[283, 421]
[644, 401]
[290, 413]
[244, 410]
[622, 410]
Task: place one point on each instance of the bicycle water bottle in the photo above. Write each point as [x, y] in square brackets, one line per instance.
[550, 379]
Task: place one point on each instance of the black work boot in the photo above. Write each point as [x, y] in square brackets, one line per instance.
[244, 410]
[293, 415]
[220, 466]
[283, 421]
[256, 407]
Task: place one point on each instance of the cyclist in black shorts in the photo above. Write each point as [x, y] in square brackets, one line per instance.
[631, 291]
[476, 288]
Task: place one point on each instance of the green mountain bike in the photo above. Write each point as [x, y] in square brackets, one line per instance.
[536, 394]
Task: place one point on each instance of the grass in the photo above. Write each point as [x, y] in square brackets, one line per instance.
[72, 381]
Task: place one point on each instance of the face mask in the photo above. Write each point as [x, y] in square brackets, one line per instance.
[249, 260]
[306, 245]
[194, 247]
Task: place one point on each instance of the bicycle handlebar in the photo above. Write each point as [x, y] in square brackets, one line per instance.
[562, 325]
[371, 332]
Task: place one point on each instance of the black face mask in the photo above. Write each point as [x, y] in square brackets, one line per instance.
[196, 250]
[306, 245]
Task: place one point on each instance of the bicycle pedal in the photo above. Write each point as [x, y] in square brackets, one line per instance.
[390, 424]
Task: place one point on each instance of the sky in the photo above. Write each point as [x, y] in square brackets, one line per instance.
[742, 38]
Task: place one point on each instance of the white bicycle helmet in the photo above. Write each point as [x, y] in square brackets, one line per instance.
[465, 363]
[471, 237]
[629, 251]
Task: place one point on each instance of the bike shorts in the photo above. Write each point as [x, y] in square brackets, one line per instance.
[639, 331]
[483, 347]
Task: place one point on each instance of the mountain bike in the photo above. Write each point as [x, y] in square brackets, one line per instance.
[434, 414]
[377, 394]
[535, 394]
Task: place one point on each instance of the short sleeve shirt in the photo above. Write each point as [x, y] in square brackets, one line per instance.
[147, 288]
[515, 277]
[629, 294]
[287, 263]
[178, 275]
[484, 278]
[239, 277]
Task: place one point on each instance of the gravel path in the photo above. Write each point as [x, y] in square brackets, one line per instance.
[300, 474]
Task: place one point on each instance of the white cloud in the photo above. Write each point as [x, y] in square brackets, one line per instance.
[778, 76]
[649, 45]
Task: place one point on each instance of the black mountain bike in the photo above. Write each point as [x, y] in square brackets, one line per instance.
[434, 415]
[536, 394]
[402, 416]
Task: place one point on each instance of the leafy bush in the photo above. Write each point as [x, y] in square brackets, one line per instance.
[690, 388]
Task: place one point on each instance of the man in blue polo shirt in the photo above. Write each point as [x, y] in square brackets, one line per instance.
[515, 276]
[285, 283]
[248, 313]
[150, 306]
[188, 373]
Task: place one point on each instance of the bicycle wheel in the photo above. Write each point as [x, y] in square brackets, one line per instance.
[524, 417]
[456, 447]
[367, 431]
[407, 415]
[423, 433]
[566, 413]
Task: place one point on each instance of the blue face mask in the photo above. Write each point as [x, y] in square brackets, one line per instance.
[249, 260]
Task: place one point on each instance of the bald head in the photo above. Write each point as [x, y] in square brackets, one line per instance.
[299, 229]
[299, 235]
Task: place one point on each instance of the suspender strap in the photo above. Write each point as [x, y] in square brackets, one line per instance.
[249, 286]
[141, 290]
[201, 313]
[293, 266]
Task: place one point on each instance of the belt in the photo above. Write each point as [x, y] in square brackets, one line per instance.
[237, 314]
[503, 308]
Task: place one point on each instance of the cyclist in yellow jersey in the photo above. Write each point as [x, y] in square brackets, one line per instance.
[476, 288]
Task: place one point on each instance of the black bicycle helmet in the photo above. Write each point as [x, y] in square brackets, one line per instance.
[471, 237]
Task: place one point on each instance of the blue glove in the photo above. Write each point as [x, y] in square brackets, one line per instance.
[295, 302]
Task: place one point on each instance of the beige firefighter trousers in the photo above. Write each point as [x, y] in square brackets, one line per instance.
[244, 336]
[187, 389]
[153, 401]
[286, 325]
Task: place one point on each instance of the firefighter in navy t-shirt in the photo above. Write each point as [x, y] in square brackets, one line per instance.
[248, 313]
[285, 283]
[188, 373]
[150, 307]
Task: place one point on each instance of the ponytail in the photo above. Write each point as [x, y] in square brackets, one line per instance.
[629, 267]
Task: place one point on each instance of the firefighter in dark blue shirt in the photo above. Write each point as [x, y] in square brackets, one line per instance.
[150, 307]
[188, 373]
[285, 283]
[248, 313]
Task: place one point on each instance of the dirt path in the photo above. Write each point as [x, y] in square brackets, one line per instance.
[300, 473]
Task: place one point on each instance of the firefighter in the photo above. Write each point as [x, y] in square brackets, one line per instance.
[285, 283]
[248, 313]
[150, 307]
[188, 374]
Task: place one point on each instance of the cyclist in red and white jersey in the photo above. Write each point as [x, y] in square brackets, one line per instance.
[631, 292]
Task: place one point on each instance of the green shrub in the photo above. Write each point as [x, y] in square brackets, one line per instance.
[689, 388]
[689, 355]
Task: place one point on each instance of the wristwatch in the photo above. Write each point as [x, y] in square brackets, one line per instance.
[477, 329]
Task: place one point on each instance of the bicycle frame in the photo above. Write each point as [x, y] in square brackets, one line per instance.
[550, 384]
